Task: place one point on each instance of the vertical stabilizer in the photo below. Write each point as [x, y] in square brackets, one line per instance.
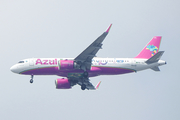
[151, 48]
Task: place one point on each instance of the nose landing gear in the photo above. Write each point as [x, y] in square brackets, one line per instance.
[31, 80]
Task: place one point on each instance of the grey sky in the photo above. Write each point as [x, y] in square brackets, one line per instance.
[61, 28]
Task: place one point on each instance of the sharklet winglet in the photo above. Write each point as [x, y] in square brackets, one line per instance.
[97, 86]
[108, 28]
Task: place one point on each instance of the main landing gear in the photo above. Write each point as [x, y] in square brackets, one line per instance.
[31, 80]
[85, 76]
[83, 87]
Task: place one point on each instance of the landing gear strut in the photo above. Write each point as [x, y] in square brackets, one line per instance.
[85, 74]
[31, 80]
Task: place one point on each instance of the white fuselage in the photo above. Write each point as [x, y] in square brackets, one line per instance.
[125, 63]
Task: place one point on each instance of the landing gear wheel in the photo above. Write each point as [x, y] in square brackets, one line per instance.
[85, 74]
[83, 87]
[31, 81]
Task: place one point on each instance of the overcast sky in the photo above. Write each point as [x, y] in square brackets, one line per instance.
[64, 28]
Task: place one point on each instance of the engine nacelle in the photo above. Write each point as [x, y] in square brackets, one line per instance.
[62, 83]
[68, 65]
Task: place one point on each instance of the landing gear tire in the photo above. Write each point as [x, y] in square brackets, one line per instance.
[85, 74]
[31, 81]
[83, 87]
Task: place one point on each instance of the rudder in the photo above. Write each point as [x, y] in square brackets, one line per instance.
[151, 48]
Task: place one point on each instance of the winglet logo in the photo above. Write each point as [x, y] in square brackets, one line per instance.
[152, 48]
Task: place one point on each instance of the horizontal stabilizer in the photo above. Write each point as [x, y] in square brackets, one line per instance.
[155, 68]
[155, 58]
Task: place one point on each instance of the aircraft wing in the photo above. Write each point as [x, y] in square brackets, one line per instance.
[84, 59]
[89, 85]
[81, 80]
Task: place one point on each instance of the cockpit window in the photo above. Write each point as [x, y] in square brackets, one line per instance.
[21, 62]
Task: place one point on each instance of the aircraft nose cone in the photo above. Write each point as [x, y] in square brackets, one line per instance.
[13, 69]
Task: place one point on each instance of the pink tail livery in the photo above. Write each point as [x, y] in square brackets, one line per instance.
[151, 48]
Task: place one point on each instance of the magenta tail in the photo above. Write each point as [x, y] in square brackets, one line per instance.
[151, 48]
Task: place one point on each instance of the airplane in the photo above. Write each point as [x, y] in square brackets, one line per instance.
[78, 70]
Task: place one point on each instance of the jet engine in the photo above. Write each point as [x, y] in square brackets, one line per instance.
[62, 83]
